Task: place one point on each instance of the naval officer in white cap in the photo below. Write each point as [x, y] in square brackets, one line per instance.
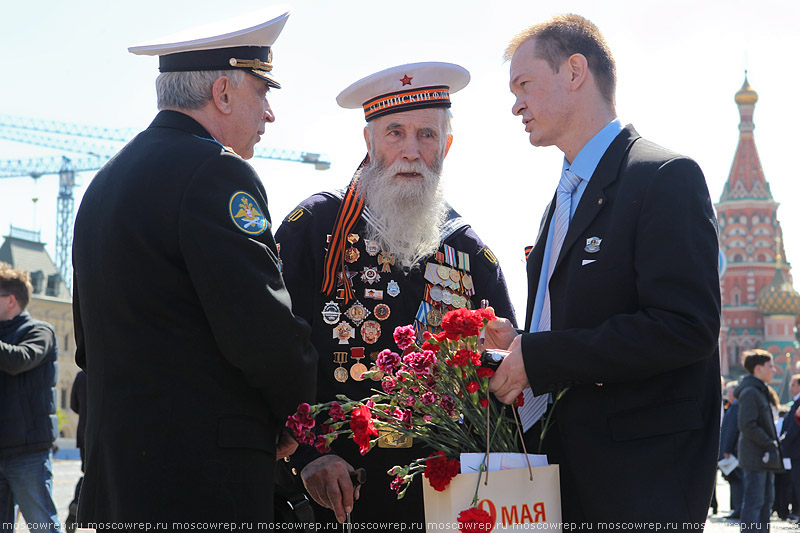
[389, 230]
[183, 323]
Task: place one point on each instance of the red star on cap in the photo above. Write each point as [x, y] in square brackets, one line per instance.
[406, 79]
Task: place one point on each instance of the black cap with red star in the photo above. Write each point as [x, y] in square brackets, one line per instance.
[405, 87]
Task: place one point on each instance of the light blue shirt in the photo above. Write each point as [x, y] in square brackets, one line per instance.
[583, 166]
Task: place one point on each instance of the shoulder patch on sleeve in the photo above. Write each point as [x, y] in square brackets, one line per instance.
[298, 216]
[487, 254]
[246, 214]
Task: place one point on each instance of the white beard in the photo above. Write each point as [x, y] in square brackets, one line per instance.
[407, 213]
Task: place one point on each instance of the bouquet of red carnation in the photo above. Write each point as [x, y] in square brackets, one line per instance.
[436, 392]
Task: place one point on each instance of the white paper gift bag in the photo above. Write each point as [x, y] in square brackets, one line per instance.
[512, 500]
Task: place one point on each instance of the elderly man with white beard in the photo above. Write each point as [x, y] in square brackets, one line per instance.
[387, 251]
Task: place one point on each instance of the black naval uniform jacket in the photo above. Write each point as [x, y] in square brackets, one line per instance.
[184, 327]
[302, 238]
[640, 316]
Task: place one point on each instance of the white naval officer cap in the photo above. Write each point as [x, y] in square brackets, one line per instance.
[242, 42]
[405, 87]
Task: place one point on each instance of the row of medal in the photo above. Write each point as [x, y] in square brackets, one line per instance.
[447, 288]
[354, 322]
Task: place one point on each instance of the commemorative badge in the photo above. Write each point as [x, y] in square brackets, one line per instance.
[593, 244]
[370, 331]
[436, 293]
[434, 317]
[459, 301]
[392, 289]
[382, 311]
[353, 238]
[340, 276]
[358, 369]
[443, 271]
[351, 255]
[376, 375]
[357, 313]
[466, 281]
[373, 294]
[331, 313]
[447, 297]
[370, 275]
[340, 373]
[386, 260]
[344, 332]
[455, 275]
[246, 214]
[371, 247]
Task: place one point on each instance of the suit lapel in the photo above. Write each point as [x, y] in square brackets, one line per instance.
[594, 198]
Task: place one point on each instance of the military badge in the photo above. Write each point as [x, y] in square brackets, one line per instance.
[340, 373]
[370, 275]
[386, 260]
[351, 255]
[358, 369]
[393, 289]
[382, 311]
[246, 214]
[593, 244]
[357, 313]
[443, 271]
[436, 293]
[331, 313]
[370, 331]
[459, 301]
[434, 317]
[371, 247]
[344, 332]
[447, 297]
[374, 294]
[353, 238]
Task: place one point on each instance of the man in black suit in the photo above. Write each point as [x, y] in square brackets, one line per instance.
[623, 302]
[790, 442]
[183, 322]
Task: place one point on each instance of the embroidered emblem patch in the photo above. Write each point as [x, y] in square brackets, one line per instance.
[246, 214]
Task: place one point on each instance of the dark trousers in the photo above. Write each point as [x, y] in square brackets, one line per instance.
[736, 481]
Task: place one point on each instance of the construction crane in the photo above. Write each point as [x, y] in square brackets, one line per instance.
[99, 144]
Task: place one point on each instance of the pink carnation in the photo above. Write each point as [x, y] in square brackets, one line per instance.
[404, 336]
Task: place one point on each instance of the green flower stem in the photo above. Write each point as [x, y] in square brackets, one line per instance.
[548, 419]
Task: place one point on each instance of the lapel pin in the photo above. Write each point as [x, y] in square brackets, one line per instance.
[593, 244]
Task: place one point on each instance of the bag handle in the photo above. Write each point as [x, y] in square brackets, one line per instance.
[521, 440]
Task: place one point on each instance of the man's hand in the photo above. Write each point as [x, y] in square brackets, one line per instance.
[286, 445]
[499, 334]
[510, 379]
[327, 480]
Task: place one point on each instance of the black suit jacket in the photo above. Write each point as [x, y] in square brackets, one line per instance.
[790, 435]
[184, 327]
[642, 319]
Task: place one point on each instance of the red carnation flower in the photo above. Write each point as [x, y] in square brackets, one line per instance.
[440, 470]
[484, 372]
[336, 412]
[361, 424]
[404, 336]
[474, 519]
[484, 402]
[520, 401]
[472, 387]
[321, 444]
[486, 314]
[462, 323]
[464, 357]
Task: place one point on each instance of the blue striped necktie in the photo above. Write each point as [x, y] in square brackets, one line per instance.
[534, 406]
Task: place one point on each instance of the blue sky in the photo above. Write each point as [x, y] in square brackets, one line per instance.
[679, 64]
